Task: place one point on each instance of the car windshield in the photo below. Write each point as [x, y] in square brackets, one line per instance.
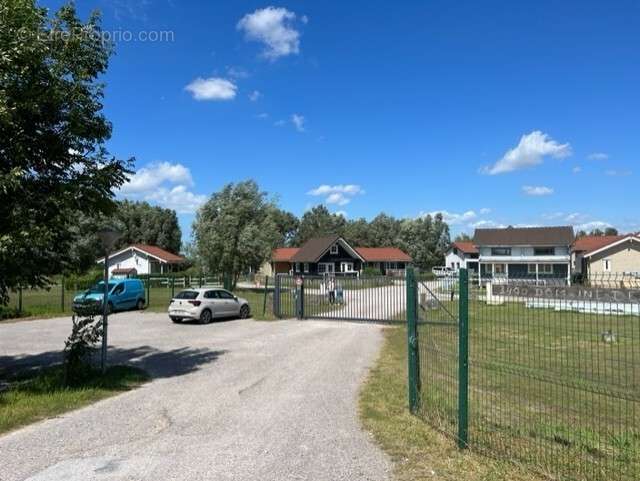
[187, 295]
[99, 288]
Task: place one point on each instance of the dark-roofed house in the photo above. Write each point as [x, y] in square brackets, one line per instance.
[334, 255]
[533, 253]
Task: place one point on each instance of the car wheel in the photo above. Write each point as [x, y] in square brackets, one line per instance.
[205, 316]
[140, 304]
[176, 320]
[244, 312]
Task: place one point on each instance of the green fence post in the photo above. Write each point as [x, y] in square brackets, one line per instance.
[412, 339]
[62, 293]
[276, 295]
[20, 299]
[301, 298]
[264, 303]
[148, 291]
[463, 361]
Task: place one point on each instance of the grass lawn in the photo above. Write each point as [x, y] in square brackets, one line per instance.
[419, 452]
[545, 389]
[42, 394]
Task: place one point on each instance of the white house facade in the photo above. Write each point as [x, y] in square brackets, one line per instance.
[141, 259]
[462, 255]
[533, 253]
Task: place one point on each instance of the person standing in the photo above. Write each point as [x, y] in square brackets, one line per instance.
[331, 286]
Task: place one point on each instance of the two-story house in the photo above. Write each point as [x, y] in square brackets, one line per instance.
[529, 253]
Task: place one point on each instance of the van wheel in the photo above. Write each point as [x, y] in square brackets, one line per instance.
[140, 304]
[244, 312]
[205, 317]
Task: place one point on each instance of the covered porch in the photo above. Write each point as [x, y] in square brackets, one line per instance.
[533, 272]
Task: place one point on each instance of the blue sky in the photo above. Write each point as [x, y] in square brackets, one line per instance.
[522, 113]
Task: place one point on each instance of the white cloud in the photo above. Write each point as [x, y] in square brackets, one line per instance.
[343, 213]
[298, 122]
[324, 189]
[485, 210]
[164, 184]
[255, 95]
[274, 27]
[213, 88]
[618, 173]
[577, 169]
[530, 151]
[453, 218]
[598, 156]
[589, 226]
[537, 191]
[178, 198]
[263, 115]
[487, 224]
[584, 222]
[154, 175]
[237, 72]
[340, 194]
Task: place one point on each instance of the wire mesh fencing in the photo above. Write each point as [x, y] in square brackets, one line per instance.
[553, 372]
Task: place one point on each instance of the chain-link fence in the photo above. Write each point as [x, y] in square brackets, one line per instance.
[553, 371]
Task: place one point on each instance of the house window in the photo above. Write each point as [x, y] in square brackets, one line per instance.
[346, 266]
[500, 251]
[607, 265]
[531, 268]
[543, 251]
[306, 267]
[545, 268]
[297, 267]
[499, 269]
[334, 249]
[325, 267]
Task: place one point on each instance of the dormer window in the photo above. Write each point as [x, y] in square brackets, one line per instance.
[334, 249]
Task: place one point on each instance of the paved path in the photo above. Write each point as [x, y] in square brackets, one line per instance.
[235, 400]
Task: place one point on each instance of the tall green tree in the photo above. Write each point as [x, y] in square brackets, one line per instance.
[139, 223]
[319, 222]
[425, 239]
[463, 237]
[384, 231]
[234, 230]
[53, 160]
[142, 223]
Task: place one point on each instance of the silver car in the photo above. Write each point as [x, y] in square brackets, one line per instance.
[205, 304]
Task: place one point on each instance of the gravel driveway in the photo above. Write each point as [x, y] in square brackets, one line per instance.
[234, 400]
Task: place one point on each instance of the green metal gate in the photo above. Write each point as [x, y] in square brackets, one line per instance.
[341, 297]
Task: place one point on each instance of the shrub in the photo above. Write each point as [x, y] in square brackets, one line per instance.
[80, 345]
